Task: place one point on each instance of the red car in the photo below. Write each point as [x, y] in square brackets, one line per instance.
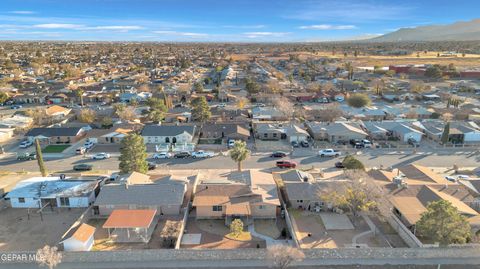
[286, 164]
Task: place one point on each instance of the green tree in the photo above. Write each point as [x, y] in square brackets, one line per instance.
[443, 224]
[3, 97]
[239, 153]
[107, 122]
[133, 154]
[157, 109]
[236, 228]
[446, 133]
[200, 109]
[358, 100]
[251, 86]
[352, 163]
[80, 95]
[198, 87]
[434, 71]
[41, 164]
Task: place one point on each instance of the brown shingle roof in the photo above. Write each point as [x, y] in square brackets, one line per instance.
[84, 232]
[128, 218]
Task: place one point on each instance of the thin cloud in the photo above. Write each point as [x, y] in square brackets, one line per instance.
[58, 26]
[265, 34]
[258, 26]
[175, 33]
[22, 12]
[347, 11]
[118, 27]
[327, 27]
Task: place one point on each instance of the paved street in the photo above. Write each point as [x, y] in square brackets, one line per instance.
[370, 159]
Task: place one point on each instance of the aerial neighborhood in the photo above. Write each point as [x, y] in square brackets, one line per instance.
[132, 146]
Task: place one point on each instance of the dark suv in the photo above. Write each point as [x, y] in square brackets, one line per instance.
[182, 155]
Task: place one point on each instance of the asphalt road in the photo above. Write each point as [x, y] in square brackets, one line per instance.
[255, 162]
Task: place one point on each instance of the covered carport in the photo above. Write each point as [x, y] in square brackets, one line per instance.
[128, 225]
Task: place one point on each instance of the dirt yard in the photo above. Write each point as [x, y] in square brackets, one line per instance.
[213, 236]
[311, 233]
[19, 233]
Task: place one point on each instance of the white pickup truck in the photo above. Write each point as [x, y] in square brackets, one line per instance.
[329, 153]
[202, 154]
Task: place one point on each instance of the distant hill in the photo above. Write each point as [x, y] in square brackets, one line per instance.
[459, 31]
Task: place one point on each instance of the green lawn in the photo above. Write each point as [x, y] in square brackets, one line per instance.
[55, 148]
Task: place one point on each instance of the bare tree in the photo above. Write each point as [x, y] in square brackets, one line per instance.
[49, 256]
[284, 106]
[281, 256]
[330, 113]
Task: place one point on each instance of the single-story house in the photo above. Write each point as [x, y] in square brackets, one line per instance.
[57, 112]
[168, 134]
[225, 131]
[247, 195]
[38, 192]
[165, 196]
[81, 240]
[460, 132]
[402, 130]
[267, 114]
[63, 135]
[16, 121]
[335, 131]
[278, 131]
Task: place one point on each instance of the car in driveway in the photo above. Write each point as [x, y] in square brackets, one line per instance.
[339, 165]
[26, 144]
[305, 144]
[278, 154]
[88, 144]
[80, 150]
[16, 107]
[202, 154]
[286, 164]
[295, 144]
[27, 156]
[101, 156]
[182, 155]
[83, 167]
[151, 166]
[231, 143]
[162, 155]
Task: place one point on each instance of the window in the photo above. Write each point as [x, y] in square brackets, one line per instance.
[261, 207]
[64, 201]
[265, 135]
[299, 201]
[167, 139]
[274, 135]
[21, 200]
[217, 208]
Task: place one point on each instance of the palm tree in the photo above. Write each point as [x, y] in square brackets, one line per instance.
[239, 153]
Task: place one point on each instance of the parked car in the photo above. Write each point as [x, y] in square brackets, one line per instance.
[413, 142]
[463, 177]
[182, 155]
[329, 153]
[162, 155]
[151, 166]
[278, 154]
[450, 178]
[295, 144]
[339, 165]
[88, 144]
[26, 144]
[101, 156]
[202, 154]
[231, 143]
[27, 156]
[83, 167]
[222, 105]
[341, 142]
[16, 107]
[305, 144]
[367, 143]
[286, 164]
[81, 150]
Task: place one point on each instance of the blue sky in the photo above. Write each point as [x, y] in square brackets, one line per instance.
[222, 20]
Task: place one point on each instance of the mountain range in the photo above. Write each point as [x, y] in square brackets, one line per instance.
[458, 31]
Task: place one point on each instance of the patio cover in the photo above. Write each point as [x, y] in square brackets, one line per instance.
[127, 218]
[239, 209]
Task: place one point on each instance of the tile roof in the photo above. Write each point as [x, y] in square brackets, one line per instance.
[84, 232]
